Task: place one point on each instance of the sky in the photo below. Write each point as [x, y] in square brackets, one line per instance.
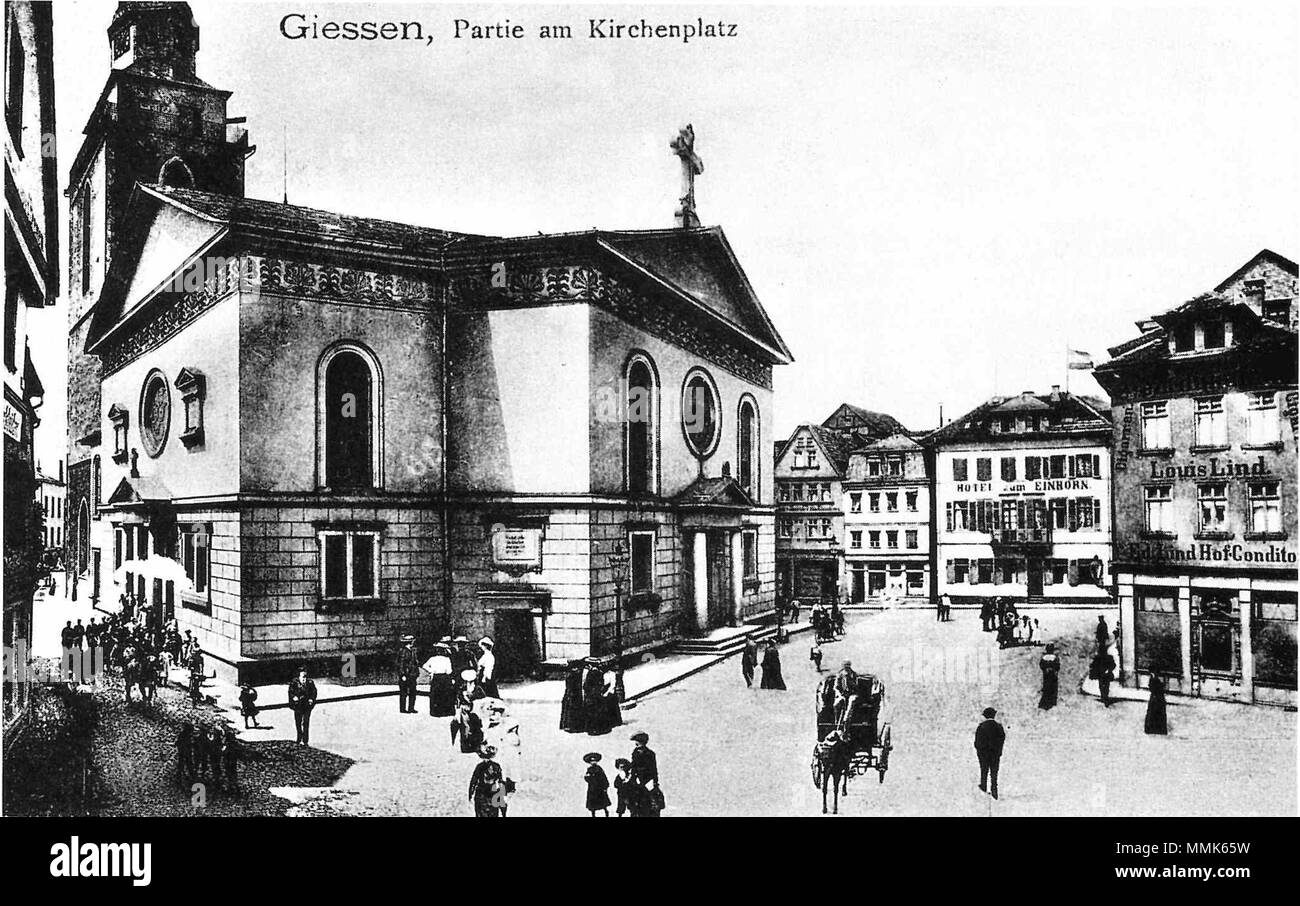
[932, 203]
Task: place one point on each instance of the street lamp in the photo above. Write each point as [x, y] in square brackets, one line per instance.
[618, 560]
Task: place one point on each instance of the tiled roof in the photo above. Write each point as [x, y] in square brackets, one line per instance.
[879, 424]
[1066, 413]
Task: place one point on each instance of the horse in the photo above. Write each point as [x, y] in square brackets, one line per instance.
[834, 760]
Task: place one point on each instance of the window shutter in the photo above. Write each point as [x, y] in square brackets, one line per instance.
[972, 572]
[949, 509]
[952, 572]
[1096, 466]
[1070, 465]
[1074, 572]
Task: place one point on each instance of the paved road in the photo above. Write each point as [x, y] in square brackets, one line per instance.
[727, 750]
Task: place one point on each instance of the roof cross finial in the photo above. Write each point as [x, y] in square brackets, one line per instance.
[684, 147]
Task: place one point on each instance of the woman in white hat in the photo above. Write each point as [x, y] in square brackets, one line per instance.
[487, 667]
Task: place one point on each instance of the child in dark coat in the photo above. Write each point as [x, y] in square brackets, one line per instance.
[248, 704]
[597, 785]
[623, 785]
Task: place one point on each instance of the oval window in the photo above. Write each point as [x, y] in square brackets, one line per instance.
[155, 413]
[700, 414]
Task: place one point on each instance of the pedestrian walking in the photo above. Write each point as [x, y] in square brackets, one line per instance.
[442, 680]
[573, 716]
[945, 607]
[1103, 671]
[197, 670]
[1156, 723]
[837, 617]
[487, 785]
[989, 740]
[1103, 635]
[623, 792]
[302, 698]
[248, 704]
[794, 610]
[1050, 665]
[408, 674]
[647, 800]
[487, 667]
[815, 655]
[597, 785]
[749, 661]
[772, 678]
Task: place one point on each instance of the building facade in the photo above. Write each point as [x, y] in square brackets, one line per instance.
[31, 284]
[318, 432]
[1205, 412]
[810, 469]
[887, 522]
[51, 493]
[1022, 501]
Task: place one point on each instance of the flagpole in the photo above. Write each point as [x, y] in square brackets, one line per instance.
[1067, 365]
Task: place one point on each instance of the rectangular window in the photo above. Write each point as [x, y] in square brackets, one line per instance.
[349, 564]
[117, 549]
[786, 527]
[855, 503]
[1008, 468]
[874, 540]
[984, 572]
[911, 501]
[855, 540]
[895, 466]
[891, 502]
[826, 493]
[1215, 334]
[873, 468]
[783, 490]
[798, 491]
[915, 582]
[1261, 418]
[1084, 465]
[642, 561]
[960, 571]
[1033, 467]
[826, 528]
[1213, 499]
[983, 469]
[891, 540]
[1160, 509]
[959, 471]
[873, 502]
[749, 549]
[195, 545]
[1055, 467]
[912, 539]
[1155, 426]
[142, 543]
[1265, 507]
[1273, 637]
[1211, 425]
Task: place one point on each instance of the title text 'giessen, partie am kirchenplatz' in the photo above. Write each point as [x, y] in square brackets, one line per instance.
[310, 27]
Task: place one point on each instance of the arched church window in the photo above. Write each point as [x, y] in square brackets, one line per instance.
[747, 446]
[176, 174]
[700, 422]
[350, 408]
[640, 419]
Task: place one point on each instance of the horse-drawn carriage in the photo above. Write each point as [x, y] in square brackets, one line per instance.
[851, 737]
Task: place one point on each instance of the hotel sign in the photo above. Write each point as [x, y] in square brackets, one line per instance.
[1037, 486]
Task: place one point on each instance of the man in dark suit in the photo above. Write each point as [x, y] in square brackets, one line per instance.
[408, 673]
[748, 661]
[989, 738]
[644, 775]
[302, 698]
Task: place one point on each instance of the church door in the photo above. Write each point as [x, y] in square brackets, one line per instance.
[719, 581]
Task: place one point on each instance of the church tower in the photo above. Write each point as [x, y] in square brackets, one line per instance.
[156, 121]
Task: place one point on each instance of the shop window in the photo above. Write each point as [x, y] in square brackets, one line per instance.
[984, 572]
[1158, 636]
[915, 582]
[1273, 638]
[958, 571]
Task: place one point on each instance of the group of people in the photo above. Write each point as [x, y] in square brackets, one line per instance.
[452, 665]
[209, 753]
[487, 728]
[636, 782]
[590, 704]
[1000, 616]
[827, 622]
[771, 664]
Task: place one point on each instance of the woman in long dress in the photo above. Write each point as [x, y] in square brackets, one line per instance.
[772, 678]
[1050, 664]
[442, 682]
[1157, 721]
[593, 701]
[572, 717]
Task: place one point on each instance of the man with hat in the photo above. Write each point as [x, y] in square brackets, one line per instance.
[645, 778]
[487, 667]
[408, 672]
[302, 698]
[989, 738]
[197, 670]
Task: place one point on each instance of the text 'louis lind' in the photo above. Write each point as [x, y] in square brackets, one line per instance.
[300, 26]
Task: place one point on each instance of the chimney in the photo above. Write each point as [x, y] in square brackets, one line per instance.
[1056, 393]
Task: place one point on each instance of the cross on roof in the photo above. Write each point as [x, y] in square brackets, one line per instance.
[684, 147]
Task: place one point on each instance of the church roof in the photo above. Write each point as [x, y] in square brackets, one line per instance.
[273, 217]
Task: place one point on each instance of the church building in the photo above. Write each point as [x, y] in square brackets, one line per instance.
[305, 433]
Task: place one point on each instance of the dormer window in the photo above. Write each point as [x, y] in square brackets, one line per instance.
[1215, 334]
[121, 419]
[1278, 311]
[193, 388]
[1185, 337]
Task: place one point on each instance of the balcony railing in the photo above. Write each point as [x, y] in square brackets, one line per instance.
[1022, 537]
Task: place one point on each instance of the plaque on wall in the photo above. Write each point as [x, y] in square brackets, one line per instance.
[516, 549]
